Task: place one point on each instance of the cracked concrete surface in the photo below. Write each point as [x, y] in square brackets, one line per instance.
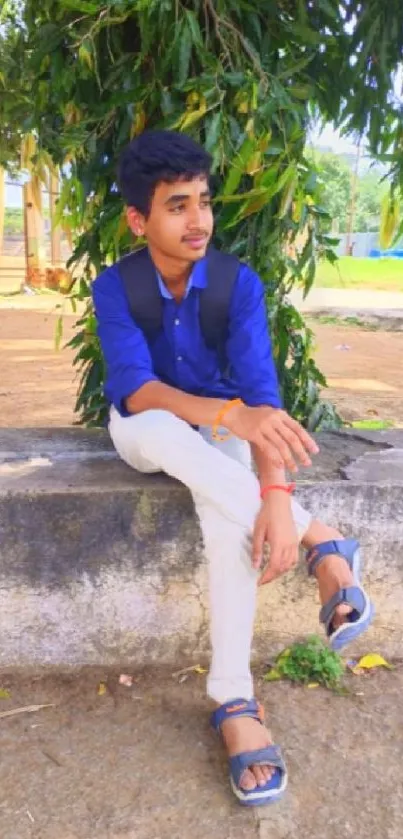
[142, 762]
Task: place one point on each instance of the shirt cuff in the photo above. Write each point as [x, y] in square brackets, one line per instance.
[258, 400]
[127, 385]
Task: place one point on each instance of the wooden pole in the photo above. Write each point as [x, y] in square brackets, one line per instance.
[353, 199]
[34, 238]
[55, 231]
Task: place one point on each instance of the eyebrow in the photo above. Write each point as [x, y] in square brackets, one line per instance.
[174, 199]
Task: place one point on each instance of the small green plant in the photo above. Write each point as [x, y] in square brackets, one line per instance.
[308, 662]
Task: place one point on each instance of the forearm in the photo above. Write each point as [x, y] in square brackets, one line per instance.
[267, 472]
[196, 410]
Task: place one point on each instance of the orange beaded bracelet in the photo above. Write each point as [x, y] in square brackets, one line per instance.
[218, 420]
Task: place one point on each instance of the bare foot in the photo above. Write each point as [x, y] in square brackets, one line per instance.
[244, 734]
[334, 573]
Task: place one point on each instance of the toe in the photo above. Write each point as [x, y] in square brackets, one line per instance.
[259, 775]
[341, 614]
[248, 780]
[267, 772]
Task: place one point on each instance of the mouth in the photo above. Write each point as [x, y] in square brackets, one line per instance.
[195, 242]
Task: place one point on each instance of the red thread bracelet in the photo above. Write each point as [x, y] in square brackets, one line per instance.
[289, 488]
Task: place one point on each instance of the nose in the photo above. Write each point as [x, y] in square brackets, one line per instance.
[194, 220]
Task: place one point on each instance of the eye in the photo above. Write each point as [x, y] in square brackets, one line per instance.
[206, 203]
[177, 209]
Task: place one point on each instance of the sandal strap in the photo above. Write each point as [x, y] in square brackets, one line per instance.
[236, 708]
[352, 596]
[343, 547]
[271, 755]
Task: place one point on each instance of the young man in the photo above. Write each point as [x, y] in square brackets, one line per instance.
[176, 408]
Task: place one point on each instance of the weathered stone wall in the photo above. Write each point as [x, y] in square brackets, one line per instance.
[99, 564]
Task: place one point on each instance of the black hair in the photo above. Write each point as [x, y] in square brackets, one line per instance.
[156, 156]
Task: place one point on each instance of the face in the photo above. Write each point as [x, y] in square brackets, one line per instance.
[180, 223]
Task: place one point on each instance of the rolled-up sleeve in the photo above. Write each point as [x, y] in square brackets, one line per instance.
[125, 350]
[249, 348]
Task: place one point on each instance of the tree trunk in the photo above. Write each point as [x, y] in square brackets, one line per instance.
[34, 240]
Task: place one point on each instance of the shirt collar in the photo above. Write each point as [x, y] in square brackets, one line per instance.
[197, 279]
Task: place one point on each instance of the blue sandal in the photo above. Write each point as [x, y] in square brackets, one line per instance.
[275, 787]
[362, 609]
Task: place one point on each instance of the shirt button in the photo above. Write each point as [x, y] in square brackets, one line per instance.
[179, 358]
[177, 322]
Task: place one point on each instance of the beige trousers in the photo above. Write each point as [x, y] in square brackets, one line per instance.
[226, 496]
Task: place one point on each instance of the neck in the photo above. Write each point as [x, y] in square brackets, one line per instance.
[174, 272]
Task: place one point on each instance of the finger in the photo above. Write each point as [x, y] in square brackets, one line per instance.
[307, 441]
[258, 544]
[269, 575]
[292, 557]
[274, 438]
[273, 570]
[280, 562]
[272, 453]
[289, 434]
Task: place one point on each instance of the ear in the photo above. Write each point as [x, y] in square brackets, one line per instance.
[135, 221]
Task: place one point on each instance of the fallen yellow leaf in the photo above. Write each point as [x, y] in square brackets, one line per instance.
[272, 676]
[5, 694]
[101, 689]
[284, 654]
[200, 670]
[313, 685]
[370, 661]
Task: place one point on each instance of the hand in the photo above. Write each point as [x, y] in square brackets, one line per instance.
[275, 432]
[275, 526]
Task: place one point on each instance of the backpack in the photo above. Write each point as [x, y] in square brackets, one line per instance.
[140, 283]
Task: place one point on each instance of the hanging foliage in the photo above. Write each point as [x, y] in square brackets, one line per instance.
[243, 77]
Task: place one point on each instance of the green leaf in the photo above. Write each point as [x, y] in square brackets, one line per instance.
[185, 51]
[301, 91]
[287, 196]
[194, 27]
[58, 332]
[326, 6]
[213, 131]
[238, 168]
[82, 6]
[85, 54]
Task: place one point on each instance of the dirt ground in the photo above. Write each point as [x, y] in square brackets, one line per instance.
[142, 762]
[37, 387]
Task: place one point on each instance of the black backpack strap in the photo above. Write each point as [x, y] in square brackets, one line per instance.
[215, 299]
[140, 283]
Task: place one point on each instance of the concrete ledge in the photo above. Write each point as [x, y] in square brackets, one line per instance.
[101, 565]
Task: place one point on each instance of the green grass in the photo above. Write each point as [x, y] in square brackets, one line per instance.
[372, 424]
[361, 273]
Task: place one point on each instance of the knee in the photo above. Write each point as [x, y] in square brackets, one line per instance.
[159, 424]
[147, 428]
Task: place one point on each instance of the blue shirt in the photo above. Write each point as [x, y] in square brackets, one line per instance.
[178, 356]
